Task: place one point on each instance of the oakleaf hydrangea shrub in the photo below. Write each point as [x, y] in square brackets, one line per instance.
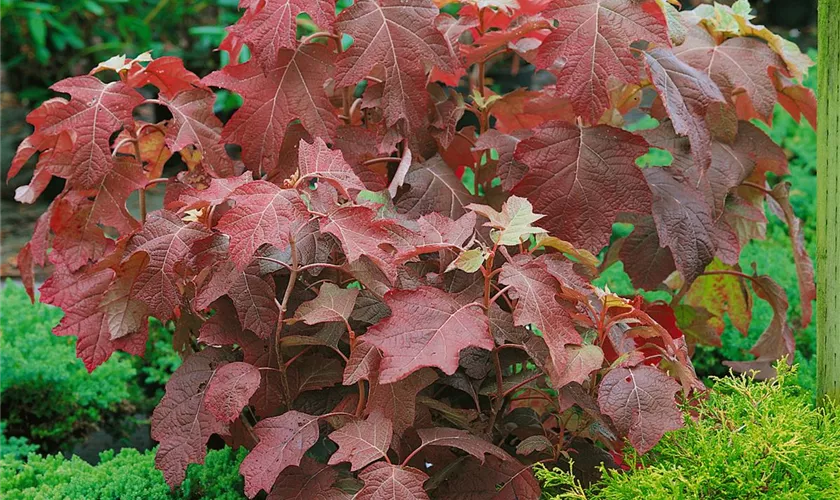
[381, 261]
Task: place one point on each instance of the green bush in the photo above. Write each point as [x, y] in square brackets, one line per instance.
[752, 439]
[47, 394]
[128, 474]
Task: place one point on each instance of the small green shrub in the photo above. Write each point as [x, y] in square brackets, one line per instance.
[752, 439]
[128, 474]
[47, 394]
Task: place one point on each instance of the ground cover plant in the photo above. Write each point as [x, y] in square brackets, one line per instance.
[753, 440]
[378, 261]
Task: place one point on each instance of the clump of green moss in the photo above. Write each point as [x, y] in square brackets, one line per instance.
[752, 440]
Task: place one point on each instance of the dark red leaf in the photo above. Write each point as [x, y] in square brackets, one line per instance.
[360, 442]
[384, 481]
[230, 389]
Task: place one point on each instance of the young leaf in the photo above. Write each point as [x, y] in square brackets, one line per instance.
[427, 327]
[513, 223]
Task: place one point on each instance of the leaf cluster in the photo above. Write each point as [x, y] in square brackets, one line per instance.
[372, 281]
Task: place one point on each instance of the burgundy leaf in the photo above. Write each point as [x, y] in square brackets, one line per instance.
[581, 179]
[182, 423]
[332, 304]
[283, 442]
[360, 442]
[384, 481]
[230, 389]
[463, 440]
[641, 403]
[427, 327]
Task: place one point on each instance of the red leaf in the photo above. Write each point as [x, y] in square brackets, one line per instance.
[592, 44]
[167, 73]
[687, 94]
[397, 401]
[317, 160]
[360, 442]
[384, 481]
[535, 290]
[264, 213]
[427, 327]
[230, 389]
[581, 179]
[310, 481]
[283, 442]
[182, 423]
[804, 265]
[641, 403]
[739, 66]
[332, 304]
[497, 479]
[96, 110]
[167, 241]
[292, 89]
[580, 362]
[195, 124]
[125, 313]
[401, 36]
[797, 100]
[273, 26]
[81, 296]
[364, 360]
[683, 221]
[433, 187]
[463, 440]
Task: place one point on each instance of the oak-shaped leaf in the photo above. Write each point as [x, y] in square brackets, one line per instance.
[95, 111]
[360, 442]
[182, 423]
[384, 481]
[318, 161]
[463, 440]
[332, 304]
[195, 124]
[397, 401]
[581, 179]
[804, 266]
[309, 481]
[438, 232]
[168, 240]
[739, 66]
[126, 314]
[513, 224]
[776, 341]
[427, 327]
[640, 401]
[230, 389]
[535, 291]
[401, 36]
[592, 44]
[684, 221]
[721, 293]
[283, 440]
[81, 296]
[687, 94]
[264, 213]
[273, 26]
[433, 187]
[290, 90]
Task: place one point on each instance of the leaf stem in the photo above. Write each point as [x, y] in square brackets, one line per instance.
[381, 159]
[524, 382]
